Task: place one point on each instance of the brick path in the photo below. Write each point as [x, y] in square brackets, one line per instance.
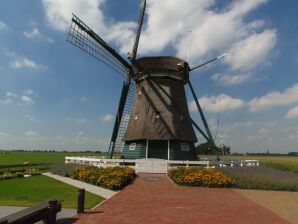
[150, 201]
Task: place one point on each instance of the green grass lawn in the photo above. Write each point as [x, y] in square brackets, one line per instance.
[261, 177]
[286, 163]
[12, 158]
[32, 190]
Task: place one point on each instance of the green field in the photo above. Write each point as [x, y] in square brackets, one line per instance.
[32, 190]
[12, 158]
[286, 163]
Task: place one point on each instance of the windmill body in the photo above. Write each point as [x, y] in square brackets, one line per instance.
[152, 119]
[160, 124]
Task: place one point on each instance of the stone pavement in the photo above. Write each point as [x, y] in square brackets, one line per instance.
[105, 193]
[153, 198]
[62, 217]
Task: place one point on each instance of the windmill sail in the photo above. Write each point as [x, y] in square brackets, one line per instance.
[122, 119]
[139, 28]
[84, 38]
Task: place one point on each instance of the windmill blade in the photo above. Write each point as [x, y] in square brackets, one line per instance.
[139, 28]
[122, 117]
[86, 39]
[207, 62]
[209, 135]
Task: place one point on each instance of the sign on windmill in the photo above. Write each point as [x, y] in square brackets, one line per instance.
[152, 119]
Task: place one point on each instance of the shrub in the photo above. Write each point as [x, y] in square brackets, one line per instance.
[7, 175]
[32, 171]
[113, 178]
[197, 176]
[63, 169]
[19, 174]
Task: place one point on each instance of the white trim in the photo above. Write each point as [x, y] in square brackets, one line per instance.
[147, 148]
[132, 146]
[168, 149]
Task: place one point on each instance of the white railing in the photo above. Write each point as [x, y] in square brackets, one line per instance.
[149, 164]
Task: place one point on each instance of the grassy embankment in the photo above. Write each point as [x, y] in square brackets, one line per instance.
[32, 190]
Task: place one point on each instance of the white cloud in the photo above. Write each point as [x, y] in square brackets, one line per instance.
[36, 34]
[79, 137]
[58, 14]
[27, 100]
[293, 113]
[231, 79]
[24, 63]
[80, 120]
[274, 99]
[253, 51]
[4, 135]
[11, 94]
[107, 118]
[263, 130]
[31, 134]
[84, 99]
[213, 29]
[29, 118]
[226, 103]
[29, 92]
[7, 101]
[3, 26]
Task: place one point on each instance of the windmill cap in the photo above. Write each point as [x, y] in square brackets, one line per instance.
[166, 66]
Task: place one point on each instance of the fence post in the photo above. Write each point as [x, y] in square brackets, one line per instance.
[81, 201]
[52, 213]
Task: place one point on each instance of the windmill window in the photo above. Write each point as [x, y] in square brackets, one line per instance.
[184, 147]
[157, 115]
[136, 117]
[132, 146]
[139, 93]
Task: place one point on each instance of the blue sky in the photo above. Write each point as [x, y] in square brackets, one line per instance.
[53, 96]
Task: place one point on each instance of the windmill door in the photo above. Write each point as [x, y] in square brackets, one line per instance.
[158, 149]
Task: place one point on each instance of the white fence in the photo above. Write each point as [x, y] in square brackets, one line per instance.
[156, 165]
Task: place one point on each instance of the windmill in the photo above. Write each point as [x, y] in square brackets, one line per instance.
[152, 119]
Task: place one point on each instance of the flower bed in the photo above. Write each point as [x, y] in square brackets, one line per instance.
[197, 176]
[113, 178]
[9, 175]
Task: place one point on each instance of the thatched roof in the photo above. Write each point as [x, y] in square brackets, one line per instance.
[174, 67]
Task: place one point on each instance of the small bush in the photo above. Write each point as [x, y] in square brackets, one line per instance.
[63, 169]
[7, 175]
[113, 178]
[19, 174]
[197, 176]
[32, 171]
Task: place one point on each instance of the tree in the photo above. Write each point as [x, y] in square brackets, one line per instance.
[206, 149]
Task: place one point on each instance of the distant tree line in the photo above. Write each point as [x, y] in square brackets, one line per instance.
[206, 149]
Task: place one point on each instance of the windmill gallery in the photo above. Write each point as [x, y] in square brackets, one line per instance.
[152, 119]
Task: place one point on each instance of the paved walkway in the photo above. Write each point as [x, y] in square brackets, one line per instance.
[88, 187]
[154, 199]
